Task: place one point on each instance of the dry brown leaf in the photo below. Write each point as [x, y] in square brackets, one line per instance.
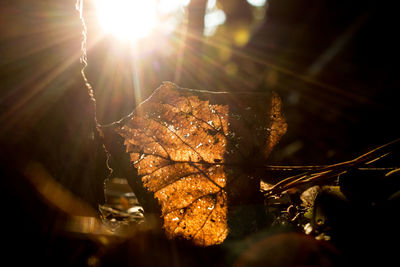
[197, 151]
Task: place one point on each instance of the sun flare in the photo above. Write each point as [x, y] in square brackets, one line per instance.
[127, 20]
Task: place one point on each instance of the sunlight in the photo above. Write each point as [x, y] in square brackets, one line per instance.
[130, 20]
[168, 6]
[127, 19]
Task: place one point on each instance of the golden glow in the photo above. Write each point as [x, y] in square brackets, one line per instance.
[127, 19]
[241, 37]
[130, 20]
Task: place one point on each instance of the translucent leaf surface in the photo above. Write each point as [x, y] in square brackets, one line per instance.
[190, 148]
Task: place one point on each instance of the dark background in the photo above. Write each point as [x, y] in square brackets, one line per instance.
[334, 63]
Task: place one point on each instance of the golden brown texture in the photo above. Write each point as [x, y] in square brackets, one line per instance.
[188, 145]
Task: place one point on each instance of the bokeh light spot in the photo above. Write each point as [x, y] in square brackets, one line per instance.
[241, 37]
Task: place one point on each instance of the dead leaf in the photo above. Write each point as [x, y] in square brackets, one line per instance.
[197, 151]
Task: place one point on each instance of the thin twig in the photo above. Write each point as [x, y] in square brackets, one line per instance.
[322, 174]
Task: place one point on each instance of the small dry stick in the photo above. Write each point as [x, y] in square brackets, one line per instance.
[323, 173]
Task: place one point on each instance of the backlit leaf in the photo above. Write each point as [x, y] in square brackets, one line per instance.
[195, 151]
